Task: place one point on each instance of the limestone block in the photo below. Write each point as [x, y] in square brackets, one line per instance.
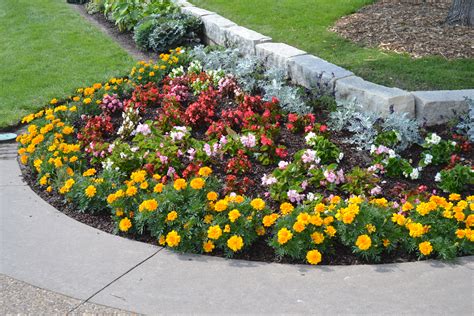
[215, 28]
[311, 71]
[244, 39]
[437, 107]
[197, 12]
[374, 97]
[277, 54]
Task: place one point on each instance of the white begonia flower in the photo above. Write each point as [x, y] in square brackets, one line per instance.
[433, 139]
[341, 155]
[415, 173]
[437, 177]
[428, 159]
[309, 138]
[392, 154]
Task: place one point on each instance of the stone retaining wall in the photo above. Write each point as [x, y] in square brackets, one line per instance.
[428, 107]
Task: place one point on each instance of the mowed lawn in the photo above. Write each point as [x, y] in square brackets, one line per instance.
[304, 24]
[47, 50]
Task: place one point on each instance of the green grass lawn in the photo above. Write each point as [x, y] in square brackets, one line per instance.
[47, 50]
[304, 24]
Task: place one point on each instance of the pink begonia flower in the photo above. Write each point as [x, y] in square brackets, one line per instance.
[376, 191]
[191, 153]
[171, 172]
[304, 184]
[282, 165]
[294, 196]
[248, 140]
[268, 180]
[143, 129]
[330, 176]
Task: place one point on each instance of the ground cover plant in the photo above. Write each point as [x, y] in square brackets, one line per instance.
[186, 154]
[48, 49]
[305, 24]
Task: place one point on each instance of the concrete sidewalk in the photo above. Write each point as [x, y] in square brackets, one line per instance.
[45, 248]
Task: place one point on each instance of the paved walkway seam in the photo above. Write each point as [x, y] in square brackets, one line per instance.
[115, 280]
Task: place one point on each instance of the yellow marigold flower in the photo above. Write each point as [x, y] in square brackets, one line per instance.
[157, 177]
[399, 219]
[179, 184]
[49, 189]
[220, 205]
[260, 230]
[69, 183]
[125, 224]
[208, 218]
[208, 246]
[355, 200]
[173, 239]
[348, 217]
[67, 130]
[148, 205]
[269, 220]
[424, 208]
[214, 232]
[197, 183]
[90, 191]
[162, 240]
[363, 242]
[470, 198]
[380, 202]
[459, 216]
[239, 199]
[235, 243]
[212, 196]
[158, 188]
[316, 220]
[298, 227]
[144, 185]
[227, 228]
[454, 197]
[53, 101]
[138, 176]
[460, 233]
[370, 228]
[470, 234]
[76, 98]
[330, 231]
[319, 208]
[313, 256]
[462, 205]
[97, 86]
[447, 214]
[205, 171]
[73, 108]
[44, 180]
[73, 159]
[172, 216]
[131, 191]
[470, 220]
[89, 172]
[119, 213]
[425, 248]
[87, 101]
[328, 220]
[286, 208]
[258, 204]
[234, 215]
[303, 218]
[416, 229]
[284, 235]
[317, 238]
[111, 198]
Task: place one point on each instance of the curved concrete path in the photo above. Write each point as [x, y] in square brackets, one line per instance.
[47, 249]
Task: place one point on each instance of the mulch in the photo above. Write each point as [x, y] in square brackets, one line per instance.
[416, 29]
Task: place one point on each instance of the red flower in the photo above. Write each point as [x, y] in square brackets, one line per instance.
[266, 141]
[323, 128]
[281, 152]
[292, 117]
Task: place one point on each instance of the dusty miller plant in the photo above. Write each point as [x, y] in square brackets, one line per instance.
[291, 99]
[364, 125]
[466, 122]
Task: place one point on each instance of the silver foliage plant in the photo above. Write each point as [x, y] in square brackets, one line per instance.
[466, 124]
[251, 75]
[365, 125]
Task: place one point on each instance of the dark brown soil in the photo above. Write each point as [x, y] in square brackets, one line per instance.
[416, 29]
[124, 39]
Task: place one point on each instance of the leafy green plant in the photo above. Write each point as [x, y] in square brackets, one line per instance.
[360, 181]
[455, 180]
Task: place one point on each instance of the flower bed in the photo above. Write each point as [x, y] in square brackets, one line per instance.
[196, 151]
